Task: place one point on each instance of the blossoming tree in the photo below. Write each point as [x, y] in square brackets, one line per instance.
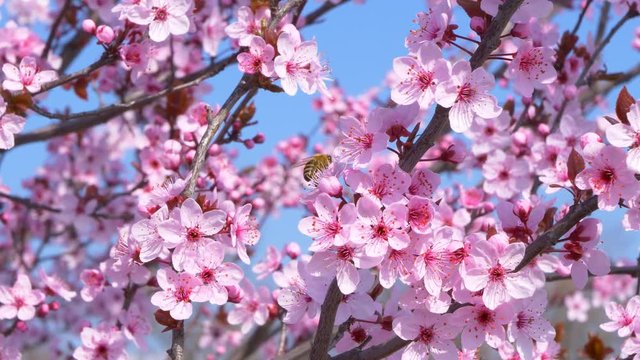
[140, 222]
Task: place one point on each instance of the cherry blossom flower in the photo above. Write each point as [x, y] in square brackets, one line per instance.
[531, 68]
[259, 58]
[10, 124]
[134, 326]
[247, 25]
[529, 9]
[385, 185]
[581, 254]
[432, 27]
[359, 141]
[94, 282]
[330, 226]
[423, 183]
[397, 263]
[623, 136]
[623, 320]
[146, 233]
[164, 17]
[432, 264]
[608, 176]
[240, 229]
[178, 292]
[419, 76]
[577, 307]
[420, 214]
[293, 64]
[9, 349]
[272, 262]
[213, 273]
[429, 335]
[396, 121]
[105, 342]
[135, 58]
[378, 229]
[483, 324]
[631, 347]
[20, 300]
[27, 76]
[505, 176]
[467, 93]
[53, 285]
[252, 309]
[189, 230]
[528, 324]
[489, 269]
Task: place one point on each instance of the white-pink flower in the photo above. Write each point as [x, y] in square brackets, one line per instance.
[331, 224]
[241, 229]
[430, 334]
[419, 76]
[189, 230]
[531, 68]
[293, 64]
[623, 136]
[259, 58]
[489, 268]
[378, 229]
[359, 141]
[528, 324]
[20, 300]
[27, 76]
[105, 342]
[146, 233]
[247, 25]
[467, 93]
[10, 124]
[623, 320]
[164, 17]
[215, 274]
[178, 291]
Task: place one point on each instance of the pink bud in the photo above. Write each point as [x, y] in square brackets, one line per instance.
[259, 138]
[22, 326]
[89, 26]
[487, 207]
[520, 30]
[471, 198]
[215, 150]
[249, 144]
[544, 129]
[105, 34]
[43, 310]
[54, 306]
[258, 203]
[478, 25]
[570, 92]
[331, 186]
[292, 250]
[235, 294]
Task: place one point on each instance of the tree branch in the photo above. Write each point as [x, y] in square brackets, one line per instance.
[54, 29]
[320, 347]
[550, 237]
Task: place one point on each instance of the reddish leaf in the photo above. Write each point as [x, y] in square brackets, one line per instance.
[611, 120]
[547, 220]
[80, 88]
[575, 165]
[164, 318]
[491, 231]
[472, 8]
[567, 43]
[624, 102]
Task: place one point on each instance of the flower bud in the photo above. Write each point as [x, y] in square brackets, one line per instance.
[292, 250]
[54, 306]
[105, 34]
[259, 138]
[589, 138]
[478, 24]
[258, 203]
[235, 294]
[520, 30]
[249, 144]
[43, 310]
[22, 326]
[89, 26]
[544, 130]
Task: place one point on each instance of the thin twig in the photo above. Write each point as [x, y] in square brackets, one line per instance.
[581, 17]
[602, 21]
[54, 29]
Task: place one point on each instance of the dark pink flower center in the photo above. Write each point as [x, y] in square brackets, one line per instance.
[207, 275]
[345, 253]
[425, 79]
[381, 231]
[193, 234]
[607, 175]
[485, 317]
[523, 320]
[497, 273]
[365, 141]
[102, 351]
[465, 92]
[182, 294]
[426, 335]
[160, 13]
[358, 335]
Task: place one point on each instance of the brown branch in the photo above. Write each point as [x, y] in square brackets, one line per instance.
[615, 270]
[105, 59]
[177, 343]
[320, 347]
[314, 16]
[54, 29]
[374, 352]
[439, 123]
[602, 21]
[594, 57]
[581, 17]
[550, 237]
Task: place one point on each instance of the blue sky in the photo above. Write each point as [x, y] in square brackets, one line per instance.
[359, 42]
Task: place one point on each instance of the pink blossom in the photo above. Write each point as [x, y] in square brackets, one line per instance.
[178, 292]
[164, 17]
[189, 230]
[9, 349]
[10, 124]
[608, 176]
[135, 58]
[385, 185]
[623, 320]
[489, 268]
[146, 233]
[241, 229]
[252, 309]
[342, 261]
[623, 136]
[135, 326]
[126, 264]
[429, 334]
[528, 324]
[419, 76]
[397, 121]
[423, 182]
[531, 68]
[420, 214]
[213, 32]
[53, 285]
[483, 324]
[272, 262]
[94, 282]
[302, 293]
[380, 229]
[214, 274]
[505, 176]
[105, 342]
[293, 64]
[433, 264]
[631, 347]
[467, 93]
[28, 76]
[581, 254]
[330, 226]
[577, 307]
[397, 263]
[359, 141]
[432, 27]
[248, 24]
[20, 300]
[259, 58]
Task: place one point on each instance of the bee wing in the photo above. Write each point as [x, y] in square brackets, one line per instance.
[302, 162]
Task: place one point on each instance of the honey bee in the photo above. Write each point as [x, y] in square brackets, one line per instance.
[314, 166]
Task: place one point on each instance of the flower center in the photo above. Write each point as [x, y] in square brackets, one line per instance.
[345, 253]
[193, 234]
[182, 294]
[207, 276]
[160, 13]
[465, 92]
[497, 273]
[426, 335]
